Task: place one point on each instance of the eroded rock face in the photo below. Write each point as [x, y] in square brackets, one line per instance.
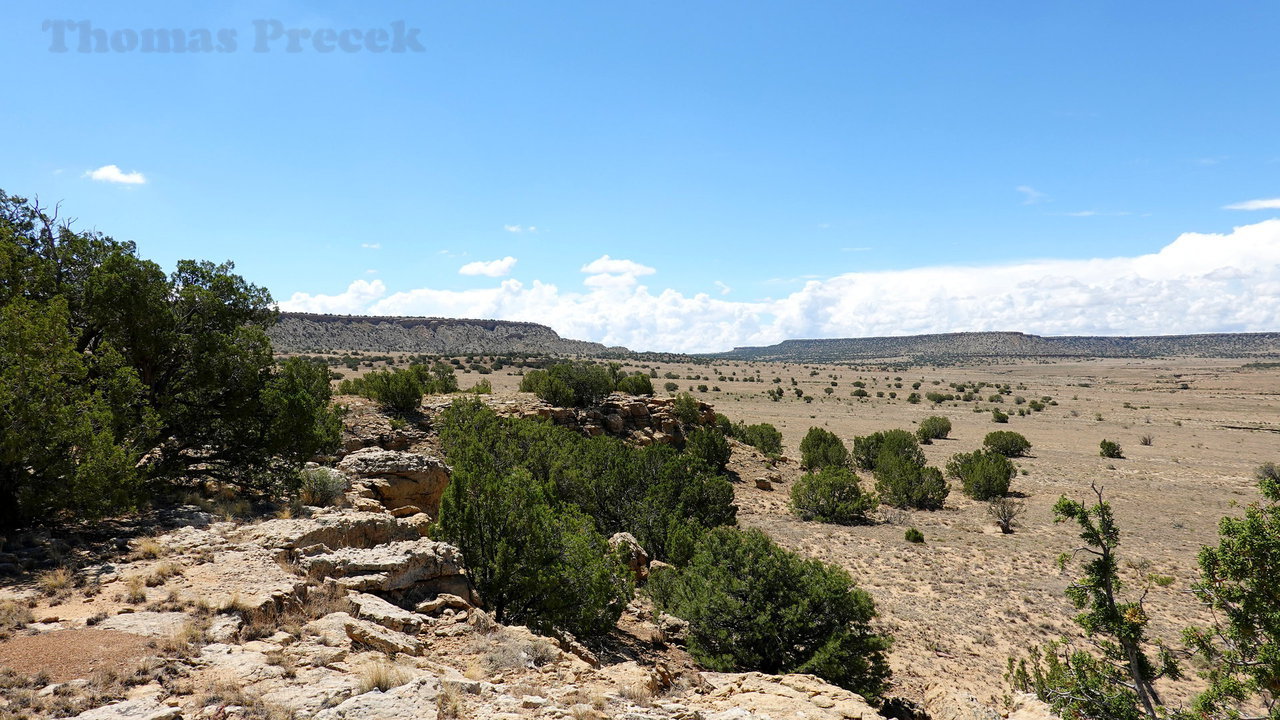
[419, 565]
[784, 696]
[333, 530]
[398, 479]
[636, 558]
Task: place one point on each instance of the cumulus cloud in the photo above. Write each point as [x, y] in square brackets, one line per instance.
[520, 228]
[1259, 204]
[492, 268]
[371, 246]
[355, 300]
[723, 288]
[1200, 282]
[113, 174]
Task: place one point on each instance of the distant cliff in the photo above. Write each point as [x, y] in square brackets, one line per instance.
[308, 333]
[958, 346]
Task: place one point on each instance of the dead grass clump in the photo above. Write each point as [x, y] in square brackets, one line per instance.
[148, 549]
[1146, 440]
[277, 658]
[449, 703]
[13, 617]
[637, 694]
[315, 604]
[381, 676]
[224, 696]
[162, 572]
[508, 653]
[56, 582]
[135, 593]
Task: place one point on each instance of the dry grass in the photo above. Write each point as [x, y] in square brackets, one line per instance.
[381, 676]
[56, 582]
[267, 621]
[14, 616]
[135, 591]
[149, 549]
[639, 695]
[449, 703]
[162, 572]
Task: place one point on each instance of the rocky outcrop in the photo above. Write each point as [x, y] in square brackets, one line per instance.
[404, 483]
[409, 568]
[784, 696]
[338, 529]
[308, 333]
[627, 547]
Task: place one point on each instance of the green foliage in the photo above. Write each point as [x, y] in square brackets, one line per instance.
[1237, 581]
[934, 427]
[999, 417]
[867, 449]
[1117, 682]
[576, 384]
[670, 387]
[905, 483]
[754, 606]
[655, 493]
[534, 561]
[831, 495]
[912, 535]
[1007, 443]
[636, 385]
[482, 387]
[984, 474]
[821, 449]
[396, 390]
[687, 409]
[320, 486]
[762, 436]
[105, 359]
[1109, 449]
[709, 446]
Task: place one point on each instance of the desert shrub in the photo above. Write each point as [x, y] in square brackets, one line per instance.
[655, 493]
[933, 428]
[999, 417]
[867, 449]
[753, 606]
[904, 483]
[831, 495]
[708, 445]
[482, 387]
[533, 562]
[636, 385]
[1146, 440]
[576, 384]
[1109, 449]
[321, 486]
[912, 535]
[821, 448]
[984, 474]
[399, 391]
[1005, 512]
[762, 436]
[687, 409]
[670, 386]
[914, 398]
[1007, 443]
[1267, 472]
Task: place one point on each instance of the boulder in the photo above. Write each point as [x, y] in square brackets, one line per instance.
[626, 545]
[421, 565]
[372, 635]
[147, 708]
[783, 696]
[944, 703]
[399, 479]
[410, 701]
[340, 529]
[150, 624]
[392, 617]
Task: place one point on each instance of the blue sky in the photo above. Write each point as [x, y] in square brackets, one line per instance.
[752, 171]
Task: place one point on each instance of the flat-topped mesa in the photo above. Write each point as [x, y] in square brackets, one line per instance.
[1012, 345]
[312, 333]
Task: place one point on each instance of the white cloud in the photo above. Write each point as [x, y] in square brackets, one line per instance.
[355, 300]
[1197, 283]
[1030, 195]
[492, 268]
[520, 228]
[1259, 204]
[724, 289]
[371, 246]
[113, 174]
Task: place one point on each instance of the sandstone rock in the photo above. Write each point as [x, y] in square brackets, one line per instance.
[341, 529]
[674, 629]
[379, 638]
[415, 700]
[419, 564]
[374, 608]
[150, 624]
[140, 709]
[763, 483]
[784, 696]
[637, 559]
[947, 704]
[399, 479]
[440, 602]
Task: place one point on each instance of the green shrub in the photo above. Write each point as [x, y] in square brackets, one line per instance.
[636, 385]
[914, 536]
[831, 495]
[576, 384]
[933, 428]
[1108, 449]
[867, 449]
[708, 445]
[984, 474]
[821, 448]
[904, 483]
[483, 387]
[999, 417]
[320, 486]
[1007, 443]
[533, 562]
[753, 606]
[687, 409]
[762, 436]
[670, 387]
